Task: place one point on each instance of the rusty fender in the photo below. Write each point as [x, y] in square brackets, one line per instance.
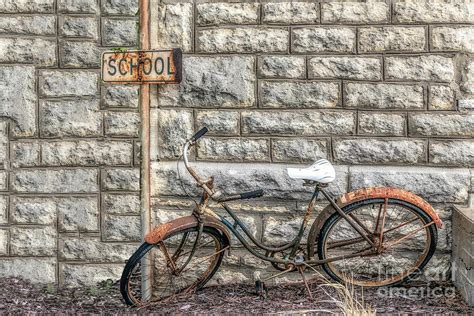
[162, 231]
[369, 193]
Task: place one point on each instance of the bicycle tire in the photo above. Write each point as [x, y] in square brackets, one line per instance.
[135, 259]
[335, 217]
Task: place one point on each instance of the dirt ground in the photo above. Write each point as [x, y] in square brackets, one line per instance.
[20, 297]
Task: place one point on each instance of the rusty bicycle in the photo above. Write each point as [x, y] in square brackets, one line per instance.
[370, 237]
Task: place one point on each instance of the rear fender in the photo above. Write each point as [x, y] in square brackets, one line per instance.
[368, 193]
[160, 232]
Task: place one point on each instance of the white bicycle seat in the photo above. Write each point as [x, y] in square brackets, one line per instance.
[321, 171]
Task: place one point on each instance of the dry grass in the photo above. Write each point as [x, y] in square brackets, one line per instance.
[349, 300]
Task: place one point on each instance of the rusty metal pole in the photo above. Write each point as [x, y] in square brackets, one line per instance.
[145, 150]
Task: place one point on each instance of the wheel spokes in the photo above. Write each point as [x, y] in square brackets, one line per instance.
[398, 233]
[176, 267]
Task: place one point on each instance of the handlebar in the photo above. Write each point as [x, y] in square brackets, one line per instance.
[204, 184]
[199, 134]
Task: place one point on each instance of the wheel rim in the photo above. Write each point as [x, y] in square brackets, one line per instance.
[405, 233]
[178, 274]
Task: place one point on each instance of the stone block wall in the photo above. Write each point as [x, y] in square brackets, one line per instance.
[69, 176]
[383, 89]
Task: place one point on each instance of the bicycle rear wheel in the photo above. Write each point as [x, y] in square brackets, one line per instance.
[409, 239]
[158, 271]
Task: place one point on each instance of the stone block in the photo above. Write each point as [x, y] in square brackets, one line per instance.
[87, 153]
[69, 118]
[299, 149]
[4, 236]
[420, 68]
[349, 12]
[462, 219]
[3, 180]
[281, 67]
[299, 94]
[466, 104]
[452, 152]
[234, 149]
[41, 52]
[233, 178]
[219, 122]
[33, 210]
[358, 68]
[379, 151]
[433, 184]
[383, 96]
[171, 203]
[229, 276]
[464, 281]
[121, 179]
[467, 72]
[392, 39]
[323, 40]
[279, 230]
[54, 181]
[441, 124]
[120, 96]
[429, 11]
[4, 141]
[63, 83]
[3, 209]
[27, 6]
[445, 38]
[162, 216]
[120, 7]
[78, 6]
[227, 13]
[26, 241]
[463, 252]
[290, 12]
[28, 25]
[35, 270]
[171, 138]
[382, 124]
[121, 204]
[175, 26]
[93, 250]
[253, 223]
[121, 228]
[300, 123]
[79, 26]
[18, 98]
[78, 214]
[242, 40]
[120, 32]
[441, 98]
[231, 84]
[25, 154]
[79, 54]
[78, 275]
[122, 124]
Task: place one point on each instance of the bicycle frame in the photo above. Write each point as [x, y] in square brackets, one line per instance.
[210, 193]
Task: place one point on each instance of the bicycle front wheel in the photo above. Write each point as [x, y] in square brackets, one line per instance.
[158, 271]
[407, 235]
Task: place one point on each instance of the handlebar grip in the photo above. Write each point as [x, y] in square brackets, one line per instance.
[252, 194]
[199, 134]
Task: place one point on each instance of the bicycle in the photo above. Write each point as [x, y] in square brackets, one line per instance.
[370, 237]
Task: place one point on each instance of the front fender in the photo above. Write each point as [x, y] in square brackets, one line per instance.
[368, 193]
[162, 231]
